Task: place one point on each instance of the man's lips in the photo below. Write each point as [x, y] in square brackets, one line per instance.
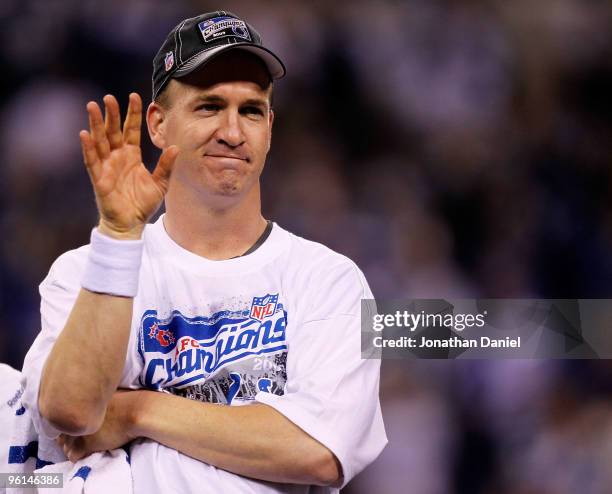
[227, 161]
[227, 156]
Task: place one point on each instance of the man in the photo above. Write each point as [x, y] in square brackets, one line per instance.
[210, 306]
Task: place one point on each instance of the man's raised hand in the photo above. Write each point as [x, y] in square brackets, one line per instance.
[127, 195]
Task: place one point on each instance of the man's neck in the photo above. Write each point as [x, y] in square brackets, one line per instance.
[216, 233]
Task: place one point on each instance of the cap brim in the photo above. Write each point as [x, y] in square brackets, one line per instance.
[273, 63]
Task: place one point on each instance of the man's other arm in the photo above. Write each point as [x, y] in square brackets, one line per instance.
[85, 364]
[254, 441]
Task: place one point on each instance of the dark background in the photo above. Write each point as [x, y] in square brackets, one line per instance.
[451, 148]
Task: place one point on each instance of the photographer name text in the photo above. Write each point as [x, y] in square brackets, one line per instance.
[452, 342]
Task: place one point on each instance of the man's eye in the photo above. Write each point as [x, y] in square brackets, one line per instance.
[252, 110]
[208, 107]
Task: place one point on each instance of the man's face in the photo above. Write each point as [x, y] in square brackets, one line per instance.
[221, 120]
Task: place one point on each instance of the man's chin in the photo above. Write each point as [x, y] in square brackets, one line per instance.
[228, 189]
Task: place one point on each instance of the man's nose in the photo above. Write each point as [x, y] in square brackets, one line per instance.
[230, 129]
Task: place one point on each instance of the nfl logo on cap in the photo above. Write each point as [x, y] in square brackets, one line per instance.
[169, 60]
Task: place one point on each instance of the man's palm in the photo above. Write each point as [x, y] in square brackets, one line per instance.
[127, 195]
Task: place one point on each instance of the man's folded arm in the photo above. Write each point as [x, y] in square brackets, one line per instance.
[254, 441]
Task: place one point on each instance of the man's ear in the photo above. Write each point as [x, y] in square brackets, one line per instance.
[271, 121]
[156, 124]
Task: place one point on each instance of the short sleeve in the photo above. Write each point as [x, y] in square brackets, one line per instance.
[331, 392]
[58, 292]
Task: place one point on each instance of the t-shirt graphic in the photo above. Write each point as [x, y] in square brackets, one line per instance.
[227, 357]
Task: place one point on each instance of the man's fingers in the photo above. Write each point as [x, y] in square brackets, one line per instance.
[112, 122]
[73, 446]
[96, 125]
[133, 120]
[163, 170]
[90, 155]
[61, 440]
[67, 444]
[72, 454]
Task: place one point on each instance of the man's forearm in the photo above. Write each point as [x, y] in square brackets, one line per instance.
[254, 441]
[86, 362]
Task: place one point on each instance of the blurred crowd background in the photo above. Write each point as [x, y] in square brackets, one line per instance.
[452, 148]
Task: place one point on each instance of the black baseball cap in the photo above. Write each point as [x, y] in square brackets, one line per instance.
[195, 41]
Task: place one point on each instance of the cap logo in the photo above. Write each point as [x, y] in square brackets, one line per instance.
[220, 27]
[169, 60]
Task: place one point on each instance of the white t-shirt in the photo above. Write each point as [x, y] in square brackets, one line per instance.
[279, 326]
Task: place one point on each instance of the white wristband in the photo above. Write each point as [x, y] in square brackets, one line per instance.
[113, 266]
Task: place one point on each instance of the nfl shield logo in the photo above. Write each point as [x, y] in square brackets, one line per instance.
[263, 307]
[169, 60]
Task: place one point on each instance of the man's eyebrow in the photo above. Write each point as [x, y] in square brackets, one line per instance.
[214, 98]
[210, 98]
[256, 102]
